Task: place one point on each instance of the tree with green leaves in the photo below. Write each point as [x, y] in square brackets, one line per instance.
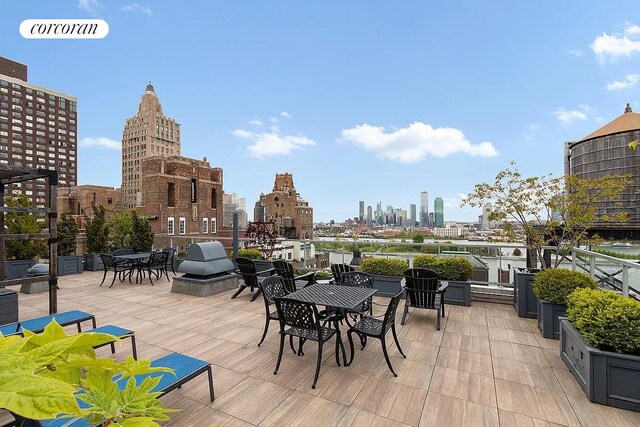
[141, 235]
[97, 231]
[23, 223]
[43, 376]
[549, 211]
[67, 235]
[120, 226]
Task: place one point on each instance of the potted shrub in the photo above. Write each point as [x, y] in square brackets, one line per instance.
[457, 271]
[21, 254]
[552, 287]
[388, 274]
[600, 344]
[258, 258]
[97, 239]
[68, 261]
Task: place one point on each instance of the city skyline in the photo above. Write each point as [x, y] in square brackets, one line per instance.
[383, 103]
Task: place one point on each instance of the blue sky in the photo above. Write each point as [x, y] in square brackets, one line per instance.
[360, 100]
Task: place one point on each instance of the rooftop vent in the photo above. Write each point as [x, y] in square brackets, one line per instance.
[206, 260]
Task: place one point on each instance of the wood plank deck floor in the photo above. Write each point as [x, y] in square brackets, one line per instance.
[486, 367]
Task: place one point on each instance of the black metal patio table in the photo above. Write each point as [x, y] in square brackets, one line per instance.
[136, 261]
[336, 296]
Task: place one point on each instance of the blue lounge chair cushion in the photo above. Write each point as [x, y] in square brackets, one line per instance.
[116, 331]
[38, 324]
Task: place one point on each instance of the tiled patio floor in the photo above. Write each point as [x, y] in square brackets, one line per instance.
[486, 366]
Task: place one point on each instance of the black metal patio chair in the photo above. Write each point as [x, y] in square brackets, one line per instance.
[424, 291]
[122, 251]
[288, 274]
[338, 269]
[272, 287]
[156, 265]
[119, 270]
[371, 326]
[300, 319]
[250, 277]
[171, 252]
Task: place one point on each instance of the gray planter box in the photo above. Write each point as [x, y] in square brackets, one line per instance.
[524, 299]
[607, 378]
[262, 265]
[458, 293]
[8, 306]
[18, 268]
[548, 318]
[70, 264]
[387, 286]
[93, 262]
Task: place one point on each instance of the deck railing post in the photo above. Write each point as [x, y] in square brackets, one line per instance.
[592, 266]
[625, 280]
[573, 259]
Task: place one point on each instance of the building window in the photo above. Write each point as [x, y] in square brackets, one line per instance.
[214, 198]
[182, 226]
[170, 226]
[205, 225]
[214, 226]
[171, 195]
[194, 196]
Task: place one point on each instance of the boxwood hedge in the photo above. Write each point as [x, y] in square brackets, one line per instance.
[554, 285]
[384, 266]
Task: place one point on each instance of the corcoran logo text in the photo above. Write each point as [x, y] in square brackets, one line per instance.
[64, 28]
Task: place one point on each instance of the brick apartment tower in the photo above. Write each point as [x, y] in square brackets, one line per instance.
[147, 134]
[182, 196]
[38, 129]
[293, 215]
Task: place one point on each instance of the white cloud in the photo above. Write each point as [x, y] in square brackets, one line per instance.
[255, 122]
[275, 128]
[91, 6]
[575, 52]
[135, 7]
[274, 120]
[455, 201]
[629, 81]
[609, 47]
[286, 115]
[415, 142]
[271, 144]
[570, 116]
[102, 142]
[241, 133]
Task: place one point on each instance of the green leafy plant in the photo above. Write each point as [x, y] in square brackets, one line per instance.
[250, 253]
[384, 266]
[458, 269]
[23, 223]
[554, 285]
[424, 261]
[43, 375]
[141, 239]
[617, 254]
[550, 211]
[120, 227]
[97, 231]
[606, 320]
[67, 234]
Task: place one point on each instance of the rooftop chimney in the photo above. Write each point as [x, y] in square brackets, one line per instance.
[627, 109]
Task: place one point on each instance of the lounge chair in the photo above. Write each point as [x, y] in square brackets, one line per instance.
[38, 324]
[185, 369]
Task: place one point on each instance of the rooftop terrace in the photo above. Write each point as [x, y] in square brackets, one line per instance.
[485, 367]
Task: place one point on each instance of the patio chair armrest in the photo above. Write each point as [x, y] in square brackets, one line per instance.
[443, 286]
[270, 271]
[307, 276]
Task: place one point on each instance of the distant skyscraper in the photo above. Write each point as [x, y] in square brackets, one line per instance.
[438, 210]
[486, 211]
[369, 216]
[431, 221]
[379, 214]
[361, 211]
[232, 203]
[259, 212]
[412, 213]
[424, 208]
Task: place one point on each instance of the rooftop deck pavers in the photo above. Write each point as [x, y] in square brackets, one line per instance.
[486, 367]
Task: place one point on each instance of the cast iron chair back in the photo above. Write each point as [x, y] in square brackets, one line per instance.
[298, 314]
[421, 287]
[338, 269]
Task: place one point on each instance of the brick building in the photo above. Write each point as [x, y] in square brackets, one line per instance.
[182, 197]
[37, 129]
[147, 134]
[292, 214]
[78, 200]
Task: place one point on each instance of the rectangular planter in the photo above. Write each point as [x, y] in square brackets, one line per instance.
[93, 262]
[458, 293]
[524, 300]
[18, 268]
[70, 264]
[387, 286]
[548, 318]
[607, 378]
[8, 306]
